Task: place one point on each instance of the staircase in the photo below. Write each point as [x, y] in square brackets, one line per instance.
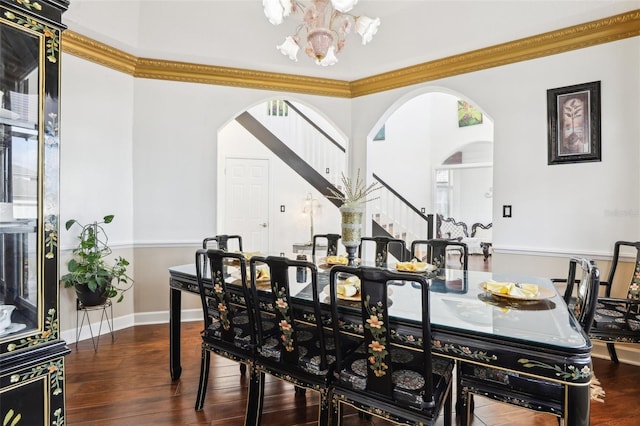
[394, 216]
[303, 132]
[288, 155]
[319, 158]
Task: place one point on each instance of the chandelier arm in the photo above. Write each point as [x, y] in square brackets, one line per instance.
[325, 25]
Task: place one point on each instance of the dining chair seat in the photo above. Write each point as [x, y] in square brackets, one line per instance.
[309, 353]
[408, 377]
[618, 316]
[242, 327]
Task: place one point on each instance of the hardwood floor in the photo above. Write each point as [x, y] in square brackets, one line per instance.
[127, 382]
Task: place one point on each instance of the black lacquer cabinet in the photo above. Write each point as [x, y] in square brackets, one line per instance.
[31, 351]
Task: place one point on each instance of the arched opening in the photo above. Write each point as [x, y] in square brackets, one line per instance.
[275, 161]
[435, 151]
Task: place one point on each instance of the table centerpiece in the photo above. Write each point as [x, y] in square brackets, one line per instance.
[352, 211]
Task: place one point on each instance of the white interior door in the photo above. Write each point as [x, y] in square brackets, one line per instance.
[246, 204]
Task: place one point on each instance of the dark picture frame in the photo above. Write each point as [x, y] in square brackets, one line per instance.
[573, 116]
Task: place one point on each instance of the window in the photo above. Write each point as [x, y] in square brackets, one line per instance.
[443, 192]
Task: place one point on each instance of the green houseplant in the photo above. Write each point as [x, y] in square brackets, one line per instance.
[93, 278]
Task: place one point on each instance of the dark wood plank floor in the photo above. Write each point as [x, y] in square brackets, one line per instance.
[127, 382]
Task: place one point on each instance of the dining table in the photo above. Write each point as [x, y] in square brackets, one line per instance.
[538, 338]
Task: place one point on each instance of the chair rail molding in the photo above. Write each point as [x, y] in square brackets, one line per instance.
[551, 252]
[606, 30]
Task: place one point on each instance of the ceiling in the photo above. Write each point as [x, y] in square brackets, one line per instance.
[237, 34]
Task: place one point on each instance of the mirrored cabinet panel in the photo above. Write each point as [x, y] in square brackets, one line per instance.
[31, 350]
[19, 166]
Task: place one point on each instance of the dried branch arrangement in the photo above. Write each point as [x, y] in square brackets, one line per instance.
[355, 192]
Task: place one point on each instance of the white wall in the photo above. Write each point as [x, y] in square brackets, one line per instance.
[472, 204]
[96, 169]
[150, 145]
[176, 140]
[96, 123]
[574, 208]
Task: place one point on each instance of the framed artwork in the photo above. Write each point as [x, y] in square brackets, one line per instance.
[468, 115]
[380, 136]
[573, 119]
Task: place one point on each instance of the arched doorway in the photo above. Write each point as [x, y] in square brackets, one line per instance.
[298, 153]
[436, 152]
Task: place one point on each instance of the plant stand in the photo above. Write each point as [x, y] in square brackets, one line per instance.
[85, 316]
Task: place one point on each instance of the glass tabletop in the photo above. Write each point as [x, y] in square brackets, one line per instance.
[459, 302]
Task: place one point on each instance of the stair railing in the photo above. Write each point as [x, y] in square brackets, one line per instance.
[304, 136]
[398, 217]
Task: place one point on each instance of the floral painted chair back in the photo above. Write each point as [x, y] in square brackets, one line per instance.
[295, 345]
[225, 298]
[382, 247]
[437, 250]
[379, 368]
[222, 241]
[331, 240]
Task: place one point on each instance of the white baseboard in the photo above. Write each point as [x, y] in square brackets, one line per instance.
[119, 323]
[627, 353]
[162, 317]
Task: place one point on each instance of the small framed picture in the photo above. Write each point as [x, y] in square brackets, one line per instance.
[468, 115]
[573, 116]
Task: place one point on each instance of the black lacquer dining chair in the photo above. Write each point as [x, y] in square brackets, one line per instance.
[529, 392]
[383, 245]
[618, 319]
[330, 239]
[403, 383]
[581, 294]
[299, 350]
[228, 318]
[435, 251]
[222, 241]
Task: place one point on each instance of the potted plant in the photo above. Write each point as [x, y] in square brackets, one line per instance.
[93, 278]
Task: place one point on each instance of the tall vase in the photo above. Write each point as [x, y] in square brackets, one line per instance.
[352, 215]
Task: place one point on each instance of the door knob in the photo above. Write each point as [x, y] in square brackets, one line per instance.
[264, 225]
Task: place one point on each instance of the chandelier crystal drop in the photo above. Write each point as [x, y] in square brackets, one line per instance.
[325, 25]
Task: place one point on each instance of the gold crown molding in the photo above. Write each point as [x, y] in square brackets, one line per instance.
[580, 36]
[576, 37]
[238, 77]
[99, 53]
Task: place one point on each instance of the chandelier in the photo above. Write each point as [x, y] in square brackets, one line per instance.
[325, 26]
